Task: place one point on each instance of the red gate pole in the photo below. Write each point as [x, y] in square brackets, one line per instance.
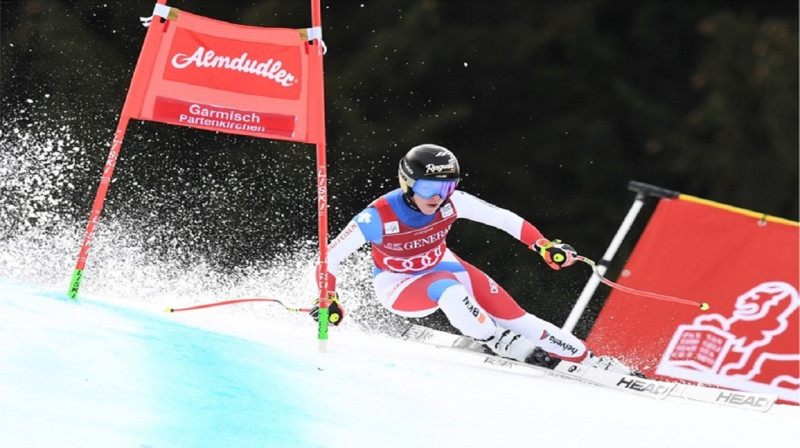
[132, 104]
[322, 199]
[97, 206]
[322, 189]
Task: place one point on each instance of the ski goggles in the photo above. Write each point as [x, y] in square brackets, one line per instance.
[427, 188]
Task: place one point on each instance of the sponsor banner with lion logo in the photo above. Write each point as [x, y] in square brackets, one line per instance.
[745, 266]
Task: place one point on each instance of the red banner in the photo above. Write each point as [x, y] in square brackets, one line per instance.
[204, 73]
[745, 266]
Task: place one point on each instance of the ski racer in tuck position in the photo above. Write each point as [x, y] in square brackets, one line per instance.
[414, 272]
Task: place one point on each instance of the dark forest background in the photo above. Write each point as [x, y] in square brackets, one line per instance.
[551, 106]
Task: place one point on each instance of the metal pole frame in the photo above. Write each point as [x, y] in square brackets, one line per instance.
[642, 190]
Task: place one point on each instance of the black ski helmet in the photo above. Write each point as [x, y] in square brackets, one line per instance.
[427, 161]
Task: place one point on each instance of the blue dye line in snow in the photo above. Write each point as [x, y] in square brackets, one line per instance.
[95, 374]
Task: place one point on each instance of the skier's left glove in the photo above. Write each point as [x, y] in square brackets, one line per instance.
[556, 254]
[335, 310]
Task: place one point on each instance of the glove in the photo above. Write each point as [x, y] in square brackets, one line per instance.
[556, 254]
[335, 310]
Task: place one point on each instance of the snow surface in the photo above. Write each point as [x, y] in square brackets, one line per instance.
[100, 373]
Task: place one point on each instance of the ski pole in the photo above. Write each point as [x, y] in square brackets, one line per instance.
[232, 302]
[702, 305]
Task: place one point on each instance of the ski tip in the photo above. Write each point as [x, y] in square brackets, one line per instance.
[168, 310]
[704, 306]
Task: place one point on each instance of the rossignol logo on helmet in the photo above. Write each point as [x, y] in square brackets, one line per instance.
[448, 168]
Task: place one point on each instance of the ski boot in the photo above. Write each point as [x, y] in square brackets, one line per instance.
[609, 363]
[507, 344]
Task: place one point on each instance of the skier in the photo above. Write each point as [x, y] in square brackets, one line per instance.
[414, 273]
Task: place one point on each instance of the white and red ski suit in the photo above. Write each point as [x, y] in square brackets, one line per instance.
[415, 274]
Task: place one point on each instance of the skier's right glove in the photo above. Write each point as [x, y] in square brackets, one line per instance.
[556, 254]
[335, 310]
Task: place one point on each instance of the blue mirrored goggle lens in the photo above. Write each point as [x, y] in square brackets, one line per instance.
[426, 188]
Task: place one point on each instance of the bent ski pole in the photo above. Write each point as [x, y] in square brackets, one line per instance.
[232, 302]
[702, 305]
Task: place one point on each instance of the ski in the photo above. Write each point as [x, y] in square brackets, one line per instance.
[651, 388]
